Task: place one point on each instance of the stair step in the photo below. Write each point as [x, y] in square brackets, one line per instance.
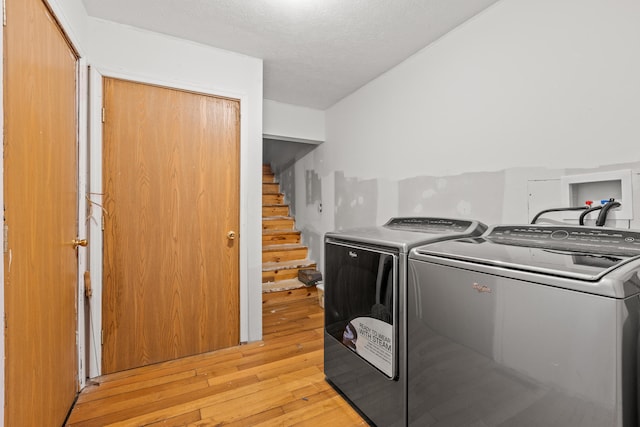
[275, 210]
[279, 271]
[303, 264]
[270, 188]
[278, 223]
[268, 177]
[273, 199]
[278, 237]
[266, 169]
[286, 285]
[287, 252]
[290, 293]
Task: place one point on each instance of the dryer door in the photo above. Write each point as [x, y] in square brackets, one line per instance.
[360, 302]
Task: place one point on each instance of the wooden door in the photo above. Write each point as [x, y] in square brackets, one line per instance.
[40, 187]
[171, 184]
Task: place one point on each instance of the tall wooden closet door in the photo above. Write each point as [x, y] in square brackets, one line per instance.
[171, 255]
[40, 174]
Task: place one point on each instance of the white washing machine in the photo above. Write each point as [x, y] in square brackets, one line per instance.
[365, 316]
[525, 326]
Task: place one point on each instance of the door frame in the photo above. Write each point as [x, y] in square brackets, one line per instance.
[82, 141]
[83, 175]
[95, 190]
[2, 349]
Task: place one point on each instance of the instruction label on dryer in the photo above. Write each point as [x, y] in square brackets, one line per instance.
[372, 339]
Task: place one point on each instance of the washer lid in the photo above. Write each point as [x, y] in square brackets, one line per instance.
[581, 253]
[405, 233]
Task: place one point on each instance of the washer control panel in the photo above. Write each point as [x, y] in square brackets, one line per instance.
[428, 224]
[582, 239]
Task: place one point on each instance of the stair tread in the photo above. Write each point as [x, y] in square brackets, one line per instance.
[279, 197]
[287, 265]
[277, 205]
[275, 210]
[282, 247]
[276, 232]
[282, 285]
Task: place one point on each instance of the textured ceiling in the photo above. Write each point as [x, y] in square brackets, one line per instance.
[315, 52]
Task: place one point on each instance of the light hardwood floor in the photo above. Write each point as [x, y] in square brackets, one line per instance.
[276, 382]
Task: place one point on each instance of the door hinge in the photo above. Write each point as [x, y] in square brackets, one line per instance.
[5, 238]
[103, 115]
[5, 320]
[4, 13]
[102, 337]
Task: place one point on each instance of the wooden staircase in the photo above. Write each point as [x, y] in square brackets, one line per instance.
[282, 254]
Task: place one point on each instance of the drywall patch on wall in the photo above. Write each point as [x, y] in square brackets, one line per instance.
[387, 200]
[602, 168]
[517, 193]
[287, 182]
[313, 185]
[313, 240]
[356, 202]
[477, 195]
[544, 194]
[635, 183]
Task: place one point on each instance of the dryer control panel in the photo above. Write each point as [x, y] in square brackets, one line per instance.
[579, 239]
[428, 224]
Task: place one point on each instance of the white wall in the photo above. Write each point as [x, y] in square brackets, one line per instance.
[126, 52]
[517, 82]
[291, 122]
[525, 90]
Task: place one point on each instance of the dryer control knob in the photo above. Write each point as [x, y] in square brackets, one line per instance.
[559, 234]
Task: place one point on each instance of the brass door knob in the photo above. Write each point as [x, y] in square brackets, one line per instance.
[231, 235]
[79, 242]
